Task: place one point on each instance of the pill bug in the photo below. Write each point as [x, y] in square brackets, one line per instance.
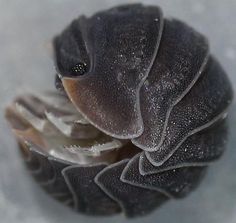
[139, 114]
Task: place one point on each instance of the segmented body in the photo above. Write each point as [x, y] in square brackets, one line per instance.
[136, 76]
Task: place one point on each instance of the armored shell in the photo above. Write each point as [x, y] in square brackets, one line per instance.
[140, 114]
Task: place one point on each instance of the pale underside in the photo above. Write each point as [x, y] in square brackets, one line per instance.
[51, 122]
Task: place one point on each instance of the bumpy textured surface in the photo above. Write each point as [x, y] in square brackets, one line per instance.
[160, 89]
[121, 44]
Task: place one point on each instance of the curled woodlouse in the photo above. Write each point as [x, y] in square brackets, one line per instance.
[140, 114]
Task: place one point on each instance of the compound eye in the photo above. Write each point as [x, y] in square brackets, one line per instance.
[78, 69]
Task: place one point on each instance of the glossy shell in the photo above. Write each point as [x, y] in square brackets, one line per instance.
[136, 76]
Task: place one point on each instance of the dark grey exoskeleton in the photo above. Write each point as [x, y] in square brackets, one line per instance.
[140, 115]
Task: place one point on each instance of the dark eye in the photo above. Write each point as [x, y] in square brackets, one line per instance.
[79, 69]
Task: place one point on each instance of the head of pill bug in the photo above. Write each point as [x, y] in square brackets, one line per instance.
[117, 47]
